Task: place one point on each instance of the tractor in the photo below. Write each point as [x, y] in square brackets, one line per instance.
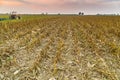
[14, 15]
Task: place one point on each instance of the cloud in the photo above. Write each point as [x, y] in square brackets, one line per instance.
[112, 2]
[10, 3]
[62, 5]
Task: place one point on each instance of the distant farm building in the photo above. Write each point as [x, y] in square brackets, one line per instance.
[14, 15]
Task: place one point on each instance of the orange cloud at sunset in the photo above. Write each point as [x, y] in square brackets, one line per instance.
[10, 3]
[43, 1]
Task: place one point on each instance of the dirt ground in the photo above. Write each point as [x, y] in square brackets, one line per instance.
[63, 48]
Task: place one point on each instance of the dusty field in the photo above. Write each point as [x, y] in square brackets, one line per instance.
[60, 48]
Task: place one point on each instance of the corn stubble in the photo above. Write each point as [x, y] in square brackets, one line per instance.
[60, 48]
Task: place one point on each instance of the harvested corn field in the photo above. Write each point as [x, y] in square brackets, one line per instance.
[60, 48]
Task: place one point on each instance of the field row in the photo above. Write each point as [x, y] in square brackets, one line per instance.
[61, 48]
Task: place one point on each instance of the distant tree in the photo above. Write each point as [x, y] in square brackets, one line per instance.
[97, 14]
[81, 13]
[58, 13]
[42, 14]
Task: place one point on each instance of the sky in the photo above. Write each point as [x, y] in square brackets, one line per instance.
[60, 6]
